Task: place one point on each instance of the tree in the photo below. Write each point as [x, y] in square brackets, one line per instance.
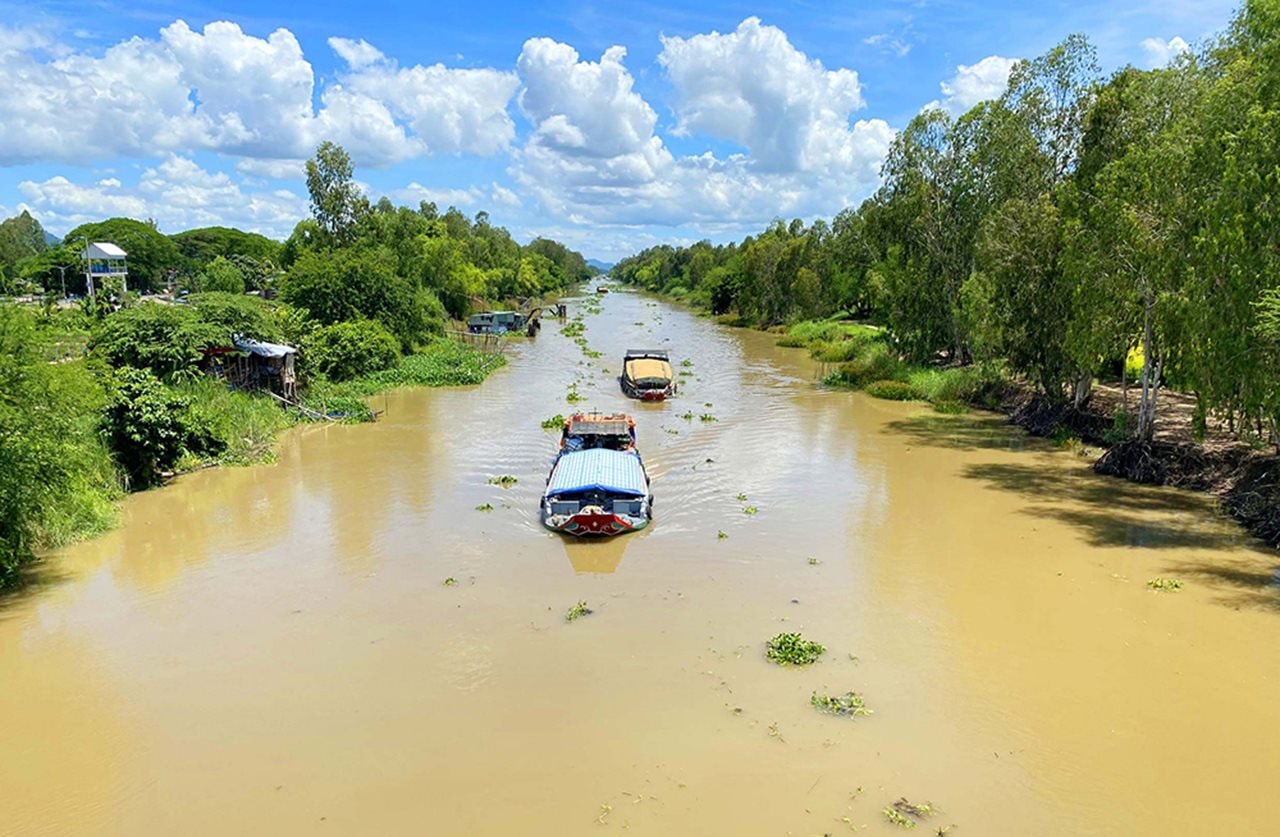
[221, 276]
[236, 314]
[336, 201]
[350, 284]
[20, 237]
[1028, 295]
[202, 245]
[144, 425]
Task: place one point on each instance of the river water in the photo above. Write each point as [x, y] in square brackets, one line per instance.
[273, 650]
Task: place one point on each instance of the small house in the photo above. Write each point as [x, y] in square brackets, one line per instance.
[254, 364]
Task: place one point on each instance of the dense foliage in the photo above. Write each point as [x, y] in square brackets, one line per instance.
[1072, 224]
[21, 237]
[55, 476]
[144, 425]
[348, 350]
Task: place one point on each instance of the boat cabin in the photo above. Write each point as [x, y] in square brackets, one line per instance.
[589, 431]
[646, 374]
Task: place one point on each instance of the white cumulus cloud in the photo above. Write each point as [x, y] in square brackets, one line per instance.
[753, 87]
[176, 192]
[357, 54]
[1159, 52]
[221, 89]
[974, 83]
[594, 157]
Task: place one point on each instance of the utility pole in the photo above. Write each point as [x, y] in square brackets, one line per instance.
[88, 268]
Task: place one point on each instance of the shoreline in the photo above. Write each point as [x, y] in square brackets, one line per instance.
[407, 374]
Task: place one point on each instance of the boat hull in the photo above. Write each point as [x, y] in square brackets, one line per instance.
[630, 390]
[594, 524]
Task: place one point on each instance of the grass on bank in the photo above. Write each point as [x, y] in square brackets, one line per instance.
[867, 361]
[442, 363]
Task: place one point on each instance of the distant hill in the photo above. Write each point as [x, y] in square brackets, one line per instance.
[603, 267]
[51, 239]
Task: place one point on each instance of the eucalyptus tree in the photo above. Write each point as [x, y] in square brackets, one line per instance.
[1136, 225]
[1234, 259]
[336, 200]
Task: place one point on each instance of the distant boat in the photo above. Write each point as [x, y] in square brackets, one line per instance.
[646, 374]
[603, 289]
[598, 485]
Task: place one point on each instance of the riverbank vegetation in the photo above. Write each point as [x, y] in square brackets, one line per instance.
[1075, 227]
[120, 392]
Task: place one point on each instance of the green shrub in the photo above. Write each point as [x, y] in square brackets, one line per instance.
[1121, 429]
[348, 350]
[876, 362]
[57, 480]
[164, 339]
[892, 390]
[144, 425]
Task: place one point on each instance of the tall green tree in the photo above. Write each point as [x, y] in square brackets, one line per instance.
[336, 200]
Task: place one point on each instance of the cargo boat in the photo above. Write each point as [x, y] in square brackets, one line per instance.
[598, 485]
[646, 375]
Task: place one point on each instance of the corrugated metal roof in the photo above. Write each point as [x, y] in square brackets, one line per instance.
[615, 471]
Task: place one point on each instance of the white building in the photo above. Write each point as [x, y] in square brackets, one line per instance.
[104, 260]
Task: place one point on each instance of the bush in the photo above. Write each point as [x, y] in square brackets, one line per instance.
[164, 339]
[56, 478]
[350, 349]
[892, 390]
[876, 362]
[145, 425]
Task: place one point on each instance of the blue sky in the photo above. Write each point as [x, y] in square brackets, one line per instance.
[711, 119]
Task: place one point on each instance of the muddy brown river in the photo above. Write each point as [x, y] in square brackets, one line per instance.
[273, 650]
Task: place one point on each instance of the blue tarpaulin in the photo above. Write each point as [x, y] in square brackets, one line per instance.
[614, 471]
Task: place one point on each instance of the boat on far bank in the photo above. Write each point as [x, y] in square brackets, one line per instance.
[598, 485]
[646, 375]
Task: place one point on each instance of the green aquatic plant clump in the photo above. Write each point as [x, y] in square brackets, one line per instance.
[892, 391]
[906, 814]
[553, 423]
[577, 612]
[1164, 584]
[506, 480]
[849, 704]
[791, 649]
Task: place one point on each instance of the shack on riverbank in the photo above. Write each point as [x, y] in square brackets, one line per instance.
[254, 365]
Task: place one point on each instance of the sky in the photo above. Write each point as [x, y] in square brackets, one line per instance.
[609, 126]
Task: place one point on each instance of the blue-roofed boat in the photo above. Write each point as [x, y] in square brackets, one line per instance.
[598, 485]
